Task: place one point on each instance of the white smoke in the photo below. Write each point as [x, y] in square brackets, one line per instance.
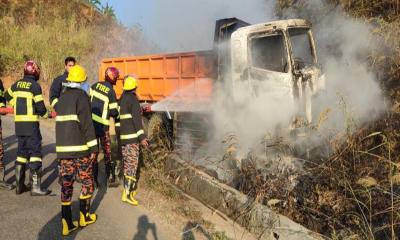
[181, 25]
[343, 44]
[352, 89]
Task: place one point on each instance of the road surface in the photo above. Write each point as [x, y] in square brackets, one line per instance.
[26, 217]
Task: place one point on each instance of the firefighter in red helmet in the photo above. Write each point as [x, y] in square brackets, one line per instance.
[104, 105]
[26, 97]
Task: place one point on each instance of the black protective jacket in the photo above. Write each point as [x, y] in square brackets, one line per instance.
[131, 119]
[56, 88]
[104, 105]
[75, 136]
[26, 97]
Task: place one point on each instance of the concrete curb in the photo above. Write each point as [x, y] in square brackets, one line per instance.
[255, 217]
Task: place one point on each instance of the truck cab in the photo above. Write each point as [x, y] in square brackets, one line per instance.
[280, 55]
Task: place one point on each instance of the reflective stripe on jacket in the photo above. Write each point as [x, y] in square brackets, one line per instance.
[104, 105]
[75, 136]
[26, 97]
[131, 119]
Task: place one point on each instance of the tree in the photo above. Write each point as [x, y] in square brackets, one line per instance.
[106, 10]
[97, 4]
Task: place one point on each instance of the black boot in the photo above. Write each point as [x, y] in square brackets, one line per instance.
[66, 220]
[20, 178]
[111, 179]
[36, 189]
[3, 183]
[85, 217]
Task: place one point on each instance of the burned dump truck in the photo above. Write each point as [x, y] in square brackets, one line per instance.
[176, 89]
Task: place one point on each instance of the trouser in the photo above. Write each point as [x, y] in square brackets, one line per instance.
[30, 150]
[130, 153]
[83, 168]
[105, 142]
[118, 160]
[1, 149]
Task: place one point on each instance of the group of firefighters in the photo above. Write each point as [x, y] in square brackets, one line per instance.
[82, 124]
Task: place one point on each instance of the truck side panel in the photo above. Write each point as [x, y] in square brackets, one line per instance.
[184, 75]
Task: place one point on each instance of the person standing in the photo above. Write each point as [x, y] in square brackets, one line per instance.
[76, 147]
[57, 87]
[27, 99]
[104, 105]
[3, 183]
[132, 134]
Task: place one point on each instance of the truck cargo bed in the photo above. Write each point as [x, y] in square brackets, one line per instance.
[186, 76]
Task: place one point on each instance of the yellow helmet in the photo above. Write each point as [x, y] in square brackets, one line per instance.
[77, 74]
[130, 83]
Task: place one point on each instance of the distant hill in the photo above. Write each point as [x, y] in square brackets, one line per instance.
[50, 30]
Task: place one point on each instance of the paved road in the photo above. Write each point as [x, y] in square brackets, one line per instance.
[26, 217]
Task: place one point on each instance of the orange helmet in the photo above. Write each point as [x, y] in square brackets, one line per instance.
[112, 74]
[31, 68]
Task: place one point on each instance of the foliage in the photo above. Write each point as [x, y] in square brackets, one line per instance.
[49, 33]
[105, 9]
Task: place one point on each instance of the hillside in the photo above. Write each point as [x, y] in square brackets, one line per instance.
[50, 30]
[354, 193]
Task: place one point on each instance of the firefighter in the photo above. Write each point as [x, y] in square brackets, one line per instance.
[132, 134]
[104, 105]
[27, 99]
[3, 183]
[56, 87]
[76, 147]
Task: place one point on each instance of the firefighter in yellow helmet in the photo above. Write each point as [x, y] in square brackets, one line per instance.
[76, 147]
[132, 134]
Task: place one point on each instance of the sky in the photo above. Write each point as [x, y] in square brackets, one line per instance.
[186, 25]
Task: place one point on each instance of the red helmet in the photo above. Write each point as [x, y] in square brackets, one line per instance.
[31, 68]
[112, 74]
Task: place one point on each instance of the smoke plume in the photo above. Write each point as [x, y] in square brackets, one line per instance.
[352, 93]
[181, 25]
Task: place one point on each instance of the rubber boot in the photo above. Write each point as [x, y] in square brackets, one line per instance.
[128, 195]
[3, 183]
[20, 179]
[68, 225]
[85, 217]
[112, 180]
[36, 189]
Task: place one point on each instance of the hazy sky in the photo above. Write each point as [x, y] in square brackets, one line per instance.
[184, 25]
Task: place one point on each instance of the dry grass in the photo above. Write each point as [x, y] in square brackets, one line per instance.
[355, 192]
